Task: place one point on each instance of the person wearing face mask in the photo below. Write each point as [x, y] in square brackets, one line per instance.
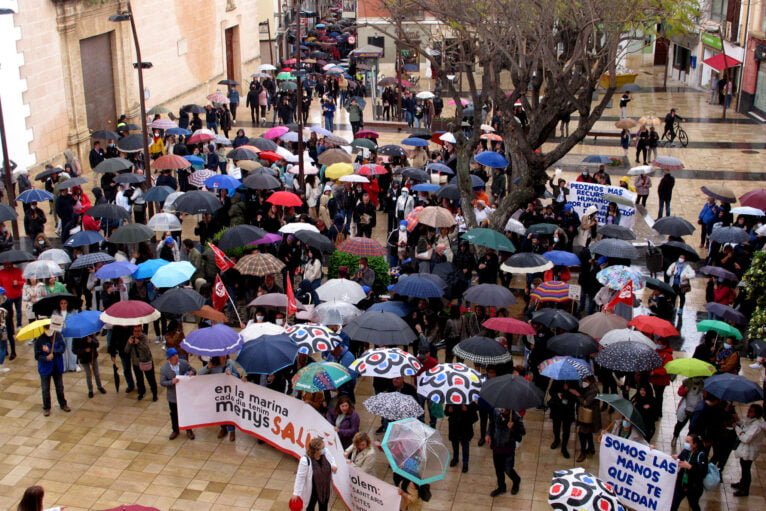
[585, 177]
[260, 317]
[279, 319]
[750, 433]
[680, 274]
[404, 205]
[623, 428]
[692, 464]
[365, 276]
[727, 358]
[691, 391]
[49, 353]
[588, 416]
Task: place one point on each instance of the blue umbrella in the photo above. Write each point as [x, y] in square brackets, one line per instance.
[733, 387]
[440, 168]
[83, 238]
[34, 195]
[562, 258]
[178, 131]
[147, 269]
[410, 68]
[158, 193]
[268, 354]
[492, 159]
[222, 181]
[426, 187]
[214, 341]
[116, 270]
[173, 274]
[320, 25]
[476, 181]
[196, 161]
[416, 286]
[565, 368]
[82, 324]
[597, 158]
[415, 142]
[91, 259]
[401, 309]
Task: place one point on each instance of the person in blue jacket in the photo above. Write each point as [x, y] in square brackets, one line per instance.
[49, 353]
[706, 219]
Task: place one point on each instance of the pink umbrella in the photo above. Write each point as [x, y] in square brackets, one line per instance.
[163, 124]
[275, 132]
[218, 97]
[129, 313]
[463, 102]
[201, 136]
[267, 240]
[371, 170]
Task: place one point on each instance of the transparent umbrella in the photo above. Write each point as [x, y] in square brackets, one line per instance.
[416, 451]
[42, 270]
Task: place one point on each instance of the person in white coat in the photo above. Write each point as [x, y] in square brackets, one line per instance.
[313, 481]
[681, 274]
[750, 433]
[361, 453]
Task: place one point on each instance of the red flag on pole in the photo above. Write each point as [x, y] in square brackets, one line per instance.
[221, 261]
[220, 294]
[292, 306]
[625, 295]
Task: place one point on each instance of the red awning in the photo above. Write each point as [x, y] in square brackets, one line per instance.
[718, 63]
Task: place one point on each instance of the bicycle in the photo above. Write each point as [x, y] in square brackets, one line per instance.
[681, 135]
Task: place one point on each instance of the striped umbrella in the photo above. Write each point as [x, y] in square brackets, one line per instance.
[551, 291]
[199, 177]
[163, 124]
[259, 265]
[565, 368]
[91, 259]
[362, 247]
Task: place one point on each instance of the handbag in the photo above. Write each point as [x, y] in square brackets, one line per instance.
[146, 366]
[585, 415]
[713, 477]
[683, 390]
[685, 286]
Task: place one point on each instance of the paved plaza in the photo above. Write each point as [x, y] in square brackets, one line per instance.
[113, 450]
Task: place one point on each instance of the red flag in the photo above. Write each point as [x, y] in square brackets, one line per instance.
[223, 262]
[292, 306]
[220, 294]
[625, 296]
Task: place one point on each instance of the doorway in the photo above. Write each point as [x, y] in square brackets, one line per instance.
[661, 46]
[232, 53]
[98, 81]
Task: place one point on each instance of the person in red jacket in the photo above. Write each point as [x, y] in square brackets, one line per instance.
[13, 282]
[660, 378]
[723, 293]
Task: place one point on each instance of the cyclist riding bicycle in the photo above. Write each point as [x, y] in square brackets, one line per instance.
[670, 124]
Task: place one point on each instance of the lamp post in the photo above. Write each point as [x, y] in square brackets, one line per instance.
[128, 16]
[7, 160]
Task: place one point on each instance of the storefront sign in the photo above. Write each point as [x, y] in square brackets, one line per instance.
[712, 40]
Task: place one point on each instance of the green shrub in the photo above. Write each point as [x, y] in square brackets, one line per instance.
[754, 281]
[378, 264]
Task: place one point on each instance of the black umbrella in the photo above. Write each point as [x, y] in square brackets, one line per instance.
[16, 256]
[555, 318]
[116, 372]
[131, 233]
[45, 306]
[228, 82]
[672, 249]
[240, 153]
[726, 313]
[239, 236]
[380, 328]
[109, 211]
[197, 202]
[419, 175]
[476, 181]
[105, 135]
[483, 350]
[113, 166]
[316, 240]
[625, 408]
[572, 344]
[450, 192]
[69, 183]
[131, 143]
[716, 271]
[456, 283]
[391, 150]
[629, 357]
[674, 226]
[262, 181]
[130, 127]
[7, 213]
[425, 135]
[618, 249]
[729, 235]
[526, 262]
[91, 259]
[489, 295]
[179, 300]
[544, 228]
[617, 232]
[129, 178]
[158, 193]
[194, 109]
[264, 144]
[659, 285]
[511, 392]
[45, 174]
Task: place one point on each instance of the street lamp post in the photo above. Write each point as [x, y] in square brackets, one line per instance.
[7, 160]
[128, 16]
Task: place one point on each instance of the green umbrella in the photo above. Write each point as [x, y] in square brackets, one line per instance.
[321, 376]
[284, 75]
[365, 143]
[719, 327]
[625, 408]
[690, 367]
[490, 239]
[542, 228]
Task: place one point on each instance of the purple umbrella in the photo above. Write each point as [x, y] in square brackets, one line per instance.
[214, 341]
[268, 239]
[116, 270]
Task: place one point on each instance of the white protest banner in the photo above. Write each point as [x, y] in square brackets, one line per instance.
[57, 323]
[582, 195]
[283, 422]
[643, 478]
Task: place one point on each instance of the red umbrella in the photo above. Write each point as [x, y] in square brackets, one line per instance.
[362, 247]
[509, 326]
[754, 199]
[652, 325]
[371, 170]
[435, 137]
[129, 313]
[367, 134]
[170, 162]
[287, 199]
[269, 156]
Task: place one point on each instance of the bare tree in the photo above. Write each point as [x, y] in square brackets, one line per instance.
[552, 53]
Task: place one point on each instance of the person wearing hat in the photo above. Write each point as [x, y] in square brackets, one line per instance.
[169, 373]
[365, 276]
[398, 249]
[167, 249]
[49, 353]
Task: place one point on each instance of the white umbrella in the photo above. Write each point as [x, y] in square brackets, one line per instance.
[336, 312]
[255, 330]
[487, 128]
[448, 137]
[162, 222]
[308, 170]
[747, 210]
[284, 153]
[290, 136]
[220, 139]
[341, 289]
[266, 67]
[641, 169]
[354, 178]
[56, 255]
[514, 225]
[294, 227]
[42, 270]
[425, 95]
[170, 200]
[625, 335]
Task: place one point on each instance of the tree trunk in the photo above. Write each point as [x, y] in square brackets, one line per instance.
[464, 182]
[531, 178]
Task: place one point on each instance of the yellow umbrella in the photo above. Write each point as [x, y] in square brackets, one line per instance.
[338, 170]
[32, 330]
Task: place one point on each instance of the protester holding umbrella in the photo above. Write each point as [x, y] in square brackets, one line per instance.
[137, 347]
[461, 420]
[49, 353]
[562, 406]
[169, 373]
[692, 461]
[506, 428]
[313, 480]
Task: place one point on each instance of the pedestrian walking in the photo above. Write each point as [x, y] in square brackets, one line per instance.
[665, 192]
[140, 354]
[233, 103]
[355, 116]
[506, 428]
[624, 100]
[692, 462]
[169, 373]
[642, 144]
[643, 184]
[86, 349]
[562, 406]
[49, 353]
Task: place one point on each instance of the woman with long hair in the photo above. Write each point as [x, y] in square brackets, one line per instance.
[345, 419]
[313, 481]
[32, 499]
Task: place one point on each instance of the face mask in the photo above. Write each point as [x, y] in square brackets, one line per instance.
[402, 228]
[259, 318]
[280, 321]
[585, 384]
[555, 240]
[687, 446]
[361, 267]
[681, 259]
[726, 346]
[41, 242]
[658, 346]
[625, 424]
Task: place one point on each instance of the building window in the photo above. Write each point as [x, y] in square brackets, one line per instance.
[718, 10]
[378, 41]
[681, 58]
